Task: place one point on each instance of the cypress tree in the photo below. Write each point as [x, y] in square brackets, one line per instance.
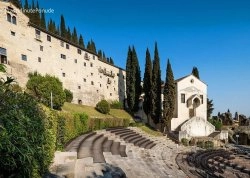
[137, 73]
[37, 19]
[68, 36]
[89, 46]
[32, 15]
[99, 54]
[169, 96]
[74, 36]
[17, 3]
[195, 72]
[93, 48]
[111, 61]
[108, 60]
[26, 5]
[63, 31]
[43, 21]
[210, 108]
[130, 80]
[57, 30]
[103, 56]
[49, 25]
[156, 87]
[147, 86]
[81, 43]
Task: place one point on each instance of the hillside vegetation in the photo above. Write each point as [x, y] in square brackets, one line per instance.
[93, 113]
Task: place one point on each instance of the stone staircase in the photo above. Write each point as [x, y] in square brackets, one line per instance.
[132, 150]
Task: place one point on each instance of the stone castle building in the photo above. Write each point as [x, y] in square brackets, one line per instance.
[25, 47]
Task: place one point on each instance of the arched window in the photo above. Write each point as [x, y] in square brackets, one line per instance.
[14, 20]
[8, 17]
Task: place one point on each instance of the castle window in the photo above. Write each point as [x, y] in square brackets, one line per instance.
[13, 33]
[67, 46]
[39, 59]
[41, 48]
[93, 57]
[97, 91]
[48, 38]
[92, 83]
[91, 64]
[63, 74]
[84, 64]
[110, 94]
[86, 56]
[100, 85]
[75, 60]
[8, 17]
[79, 101]
[3, 56]
[182, 98]
[14, 20]
[24, 57]
[79, 51]
[84, 79]
[62, 44]
[92, 74]
[63, 56]
[79, 87]
[38, 34]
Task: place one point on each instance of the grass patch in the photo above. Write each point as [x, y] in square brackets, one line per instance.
[93, 113]
[150, 131]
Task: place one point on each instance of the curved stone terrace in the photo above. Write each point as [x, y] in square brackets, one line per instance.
[129, 151]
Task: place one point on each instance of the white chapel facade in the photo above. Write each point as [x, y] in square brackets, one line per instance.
[25, 48]
[190, 114]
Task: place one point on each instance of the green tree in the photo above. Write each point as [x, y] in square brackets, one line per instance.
[17, 3]
[81, 42]
[63, 31]
[36, 15]
[42, 86]
[74, 36]
[209, 108]
[26, 5]
[195, 72]
[147, 86]
[99, 54]
[137, 73]
[91, 47]
[130, 80]
[104, 57]
[156, 87]
[43, 20]
[111, 61]
[169, 95]
[69, 95]
[69, 36]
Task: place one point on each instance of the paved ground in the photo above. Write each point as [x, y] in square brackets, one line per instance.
[157, 162]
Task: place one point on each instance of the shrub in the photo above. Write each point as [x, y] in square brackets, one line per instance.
[103, 107]
[42, 86]
[200, 144]
[184, 141]
[69, 95]
[208, 144]
[116, 105]
[26, 144]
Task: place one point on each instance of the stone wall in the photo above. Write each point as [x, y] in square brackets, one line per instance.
[88, 78]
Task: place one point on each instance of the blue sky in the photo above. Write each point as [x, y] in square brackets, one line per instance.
[213, 35]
